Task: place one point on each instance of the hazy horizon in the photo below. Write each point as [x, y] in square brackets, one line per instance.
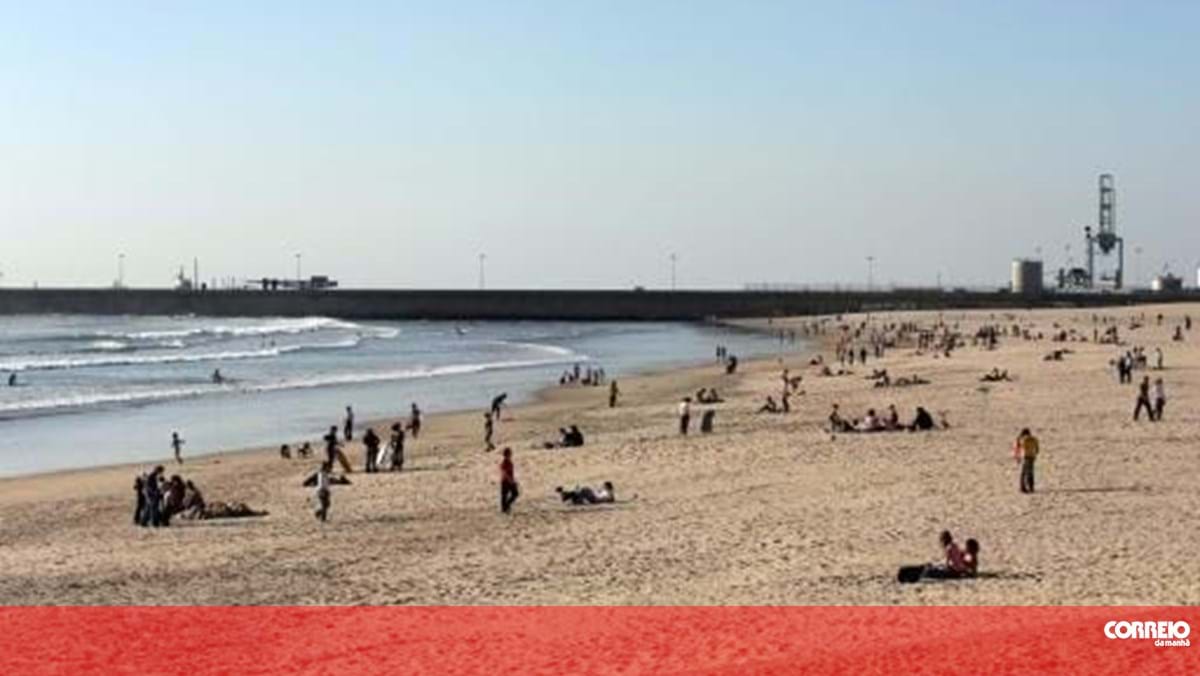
[580, 145]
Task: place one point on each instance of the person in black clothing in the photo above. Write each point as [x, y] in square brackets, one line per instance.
[371, 442]
[497, 403]
[414, 422]
[349, 426]
[139, 484]
[922, 422]
[152, 492]
[1143, 399]
[397, 444]
[331, 445]
[489, 428]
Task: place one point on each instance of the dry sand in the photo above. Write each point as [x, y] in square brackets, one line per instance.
[770, 509]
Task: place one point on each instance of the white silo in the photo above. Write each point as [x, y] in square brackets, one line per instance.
[1027, 277]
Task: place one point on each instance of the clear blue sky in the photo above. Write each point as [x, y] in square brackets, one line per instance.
[580, 143]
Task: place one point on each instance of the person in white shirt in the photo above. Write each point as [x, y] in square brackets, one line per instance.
[1160, 399]
[685, 415]
[323, 495]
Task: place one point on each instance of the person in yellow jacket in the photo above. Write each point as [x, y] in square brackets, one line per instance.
[1025, 450]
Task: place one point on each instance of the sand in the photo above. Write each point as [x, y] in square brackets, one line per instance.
[770, 509]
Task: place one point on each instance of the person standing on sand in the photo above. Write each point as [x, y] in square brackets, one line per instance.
[1160, 400]
[1026, 450]
[323, 494]
[685, 415]
[613, 392]
[348, 429]
[371, 442]
[397, 443]
[414, 421]
[1143, 399]
[489, 427]
[177, 444]
[508, 482]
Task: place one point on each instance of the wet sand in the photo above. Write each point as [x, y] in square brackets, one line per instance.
[770, 509]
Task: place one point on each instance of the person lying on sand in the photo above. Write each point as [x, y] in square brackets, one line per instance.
[995, 376]
[958, 563]
[588, 496]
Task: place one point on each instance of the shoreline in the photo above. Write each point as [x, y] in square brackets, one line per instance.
[543, 396]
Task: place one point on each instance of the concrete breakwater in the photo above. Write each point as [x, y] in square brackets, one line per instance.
[599, 305]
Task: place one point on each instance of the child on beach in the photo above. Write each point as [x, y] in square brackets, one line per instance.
[489, 427]
[323, 495]
[613, 392]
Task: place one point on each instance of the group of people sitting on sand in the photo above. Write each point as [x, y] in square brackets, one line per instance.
[958, 562]
[568, 437]
[159, 499]
[883, 379]
[708, 395]
[871, 422]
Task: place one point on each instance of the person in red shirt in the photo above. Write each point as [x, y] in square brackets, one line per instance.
[508, 482]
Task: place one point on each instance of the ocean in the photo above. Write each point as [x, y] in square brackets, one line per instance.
[98, 390]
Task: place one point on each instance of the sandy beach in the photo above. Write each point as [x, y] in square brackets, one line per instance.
[769, 509]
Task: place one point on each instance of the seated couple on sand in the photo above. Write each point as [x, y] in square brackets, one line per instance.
[568, 438]
[708, 396]
[922, 421]
[587, 495]
[996, 376]
[771, 406]
[959, 563]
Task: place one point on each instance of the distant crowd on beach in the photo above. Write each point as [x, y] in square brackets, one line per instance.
[854, 345]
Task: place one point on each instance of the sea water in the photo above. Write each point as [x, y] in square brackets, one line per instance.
[93, 390]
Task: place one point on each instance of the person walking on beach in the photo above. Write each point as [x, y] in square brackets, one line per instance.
[1160, 400]
[177, 444]
[1143, 399]
[508, 482]
[397, 444]
[489, 427]
[348, 428]
[613, 392]
[371, 442]
[414, 421]
[1026, 451]
[685, 415]
[498, 403]
[323, 495]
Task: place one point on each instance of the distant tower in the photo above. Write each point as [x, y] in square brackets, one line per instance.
[1106, 234]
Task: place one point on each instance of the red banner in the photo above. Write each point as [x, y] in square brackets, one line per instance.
[600, 640]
